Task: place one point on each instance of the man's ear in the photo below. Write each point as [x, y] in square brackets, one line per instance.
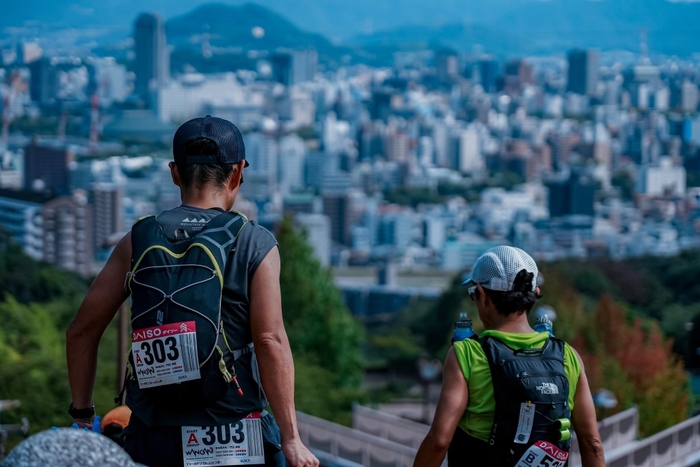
[236, 176]
[175, 174]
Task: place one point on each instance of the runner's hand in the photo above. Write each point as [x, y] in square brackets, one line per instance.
[298, 455]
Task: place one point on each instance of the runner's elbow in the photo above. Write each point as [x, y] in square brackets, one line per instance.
[591, 447]
[269, 341]
[74, 333]
[81, 333]
[438, 442]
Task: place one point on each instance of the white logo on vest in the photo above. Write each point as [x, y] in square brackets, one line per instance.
[548, 388]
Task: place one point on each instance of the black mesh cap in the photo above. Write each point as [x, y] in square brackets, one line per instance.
[224, 134]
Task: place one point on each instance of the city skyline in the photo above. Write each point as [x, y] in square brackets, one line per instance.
[385, 158]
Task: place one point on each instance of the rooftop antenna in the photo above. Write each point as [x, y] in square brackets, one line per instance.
[643, 47]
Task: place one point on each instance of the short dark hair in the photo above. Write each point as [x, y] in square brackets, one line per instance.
[201, 175]
[523, 298]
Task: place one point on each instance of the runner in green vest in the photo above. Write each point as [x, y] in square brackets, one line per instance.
[523, 420]
[209, 345]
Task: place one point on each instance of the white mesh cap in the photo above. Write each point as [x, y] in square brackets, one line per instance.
[496, 269]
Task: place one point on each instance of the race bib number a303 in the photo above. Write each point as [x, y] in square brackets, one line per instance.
[543, 454]
[165, 354]
[239, 443]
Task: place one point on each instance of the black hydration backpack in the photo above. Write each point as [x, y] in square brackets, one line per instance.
[532, 419]
[180, 353]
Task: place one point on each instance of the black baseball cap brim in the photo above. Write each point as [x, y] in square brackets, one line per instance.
[224, 134]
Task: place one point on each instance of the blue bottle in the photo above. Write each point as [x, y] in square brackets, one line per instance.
[544, 324]
[463, 328]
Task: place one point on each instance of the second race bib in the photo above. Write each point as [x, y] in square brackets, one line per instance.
[165, 354]
[543, 454]
[239, 443]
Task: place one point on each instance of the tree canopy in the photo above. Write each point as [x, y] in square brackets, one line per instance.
[324, 336]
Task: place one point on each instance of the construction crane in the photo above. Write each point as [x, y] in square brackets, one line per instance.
[94, 120]
[6, 120]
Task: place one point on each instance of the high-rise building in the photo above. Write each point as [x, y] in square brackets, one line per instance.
[335, 206]
[465, 153]
[304, 65]
[110, 79]
[380, 106]
[43, 81]
[46, 167]
[302, 108]
[68, 241]
[107, 201]
[318, 231]
[518, 72]
[662, 180]
[294, 67]
[291, 162]
[690, 96]
[20, 217]
[447, 65]
[396, 229]
[55, 229]
[489, 72]
[574, 195]
[583, 71]
[262, 152]
[282, 68]
[152, 62]
[397, 144]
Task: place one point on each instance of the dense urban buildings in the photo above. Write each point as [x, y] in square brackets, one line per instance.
[421, 164]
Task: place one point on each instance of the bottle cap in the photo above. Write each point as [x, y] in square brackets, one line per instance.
[464, 321]
[544, 320]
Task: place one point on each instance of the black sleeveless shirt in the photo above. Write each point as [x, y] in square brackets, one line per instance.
[252, 246]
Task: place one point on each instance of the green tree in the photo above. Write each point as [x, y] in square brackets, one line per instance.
[324, 336]
[33, 364]
[32, 281]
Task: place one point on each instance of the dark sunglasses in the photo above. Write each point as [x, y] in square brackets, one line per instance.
[472, 292]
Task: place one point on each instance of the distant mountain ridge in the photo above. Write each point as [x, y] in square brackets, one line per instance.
[229, 25]
[545, 27]
[509, 27]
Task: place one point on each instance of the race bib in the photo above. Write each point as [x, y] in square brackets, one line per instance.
[165, 354]
[543, 454]
[239, 443]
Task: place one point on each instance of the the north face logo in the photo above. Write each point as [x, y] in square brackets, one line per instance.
[548, 388]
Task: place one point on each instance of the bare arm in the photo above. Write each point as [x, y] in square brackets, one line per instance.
[585, 424]
[275, 356]
[94, 315]
[453, 400]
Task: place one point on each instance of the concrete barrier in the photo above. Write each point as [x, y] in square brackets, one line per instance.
[353, 445]
[616, 431]
[675, 446]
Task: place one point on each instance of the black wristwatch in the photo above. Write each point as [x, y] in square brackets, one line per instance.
[78, 414]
